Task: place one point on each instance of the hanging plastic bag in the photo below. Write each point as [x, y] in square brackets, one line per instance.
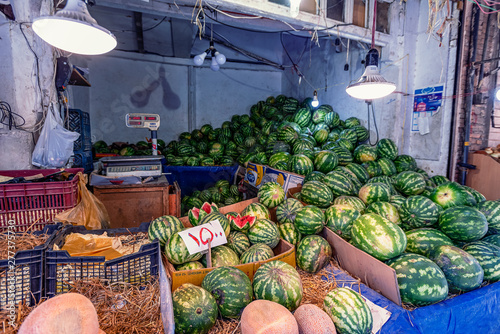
[55, 145]
[89, 212]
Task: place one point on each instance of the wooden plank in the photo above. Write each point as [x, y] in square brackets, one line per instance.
[485, 177]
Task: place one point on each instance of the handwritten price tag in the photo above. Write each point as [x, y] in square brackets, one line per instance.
[196, 238]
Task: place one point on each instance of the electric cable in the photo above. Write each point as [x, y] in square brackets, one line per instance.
[369, 103]
[8, 117]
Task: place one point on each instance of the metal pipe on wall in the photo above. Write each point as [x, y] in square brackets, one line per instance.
[470, 92]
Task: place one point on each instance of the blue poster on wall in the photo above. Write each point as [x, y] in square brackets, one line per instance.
[426, 102]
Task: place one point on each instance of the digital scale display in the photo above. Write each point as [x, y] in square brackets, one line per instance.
[144, 121]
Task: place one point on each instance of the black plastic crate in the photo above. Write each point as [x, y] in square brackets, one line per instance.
[79, 121]
[61, 269]
[27, 268]
[84, 159]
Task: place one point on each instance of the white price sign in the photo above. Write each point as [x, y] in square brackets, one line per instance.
[197, 238]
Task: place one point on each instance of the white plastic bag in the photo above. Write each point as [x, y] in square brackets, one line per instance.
[55, 145]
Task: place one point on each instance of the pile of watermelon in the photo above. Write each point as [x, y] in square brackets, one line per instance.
[221, 194]
[126, 149]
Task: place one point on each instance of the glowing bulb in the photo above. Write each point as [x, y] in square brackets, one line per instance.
[199, 59]
[497, 94]
[315, 101]
[214, 66]
[220, 58]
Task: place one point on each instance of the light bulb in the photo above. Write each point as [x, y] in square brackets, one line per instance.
[497, 94]
[214, 66]
[199, 59]
[220, 58]
[315, 102]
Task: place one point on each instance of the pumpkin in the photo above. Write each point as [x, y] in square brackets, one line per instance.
[267, 317]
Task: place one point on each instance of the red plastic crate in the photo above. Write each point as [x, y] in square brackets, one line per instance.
[35, 204]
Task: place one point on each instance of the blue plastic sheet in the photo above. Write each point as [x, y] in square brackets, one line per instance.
[476, 311]
[198, 177]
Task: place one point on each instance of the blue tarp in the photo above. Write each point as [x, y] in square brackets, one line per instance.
[476, 311]
[198, 177]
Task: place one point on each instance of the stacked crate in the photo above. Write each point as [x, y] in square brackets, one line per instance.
[79, 121]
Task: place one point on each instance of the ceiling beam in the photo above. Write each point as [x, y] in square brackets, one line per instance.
[139, 33]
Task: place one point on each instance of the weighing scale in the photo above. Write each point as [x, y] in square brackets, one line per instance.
[143, 165]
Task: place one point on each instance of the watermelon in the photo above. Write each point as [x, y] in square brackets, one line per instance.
[378, 236]
[321, 136]
[387, 166]
[176, 251]
[349, 134]
[372, 168]
[286, 211]
[385, 180]
[339, 184]
[319, 115]
[488, 256]
[421, 281]
[405, 162]
[397, 201]
[195, 309]
[217, 216]
[256, 210]
[349, 311]
[231, 288]
[332, 119]
[325, 161]
[359, 171]
[439, 180]
[193, 265]
[345, 143]
[449, 194]
[278, 282]
[409, 183]
[264, 231]
[197, 214]
[271, 194]
[386, 148]
[257, 252]
[354, 202]
[476, 194]
[491, 210]
[463, 223]
[309, 220]
[364, 153]
[287, 134]
[362, 133]
[313, 253]
[163, 227]
[339, 219]
[374, 192]
[314, 176]
[300, 164]
[492, 239]
[302, 117]
[316, 193]
[241, 223]
[425, 240]
[238, 242]
[386, 210]
[289, 232]
[344, 155]
[222, 256]
[463, 272]
[419, 211]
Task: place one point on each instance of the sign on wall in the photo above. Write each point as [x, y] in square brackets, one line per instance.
[426, 103]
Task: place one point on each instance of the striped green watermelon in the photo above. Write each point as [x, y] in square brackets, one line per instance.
[257, 210]
[271, 194]
[385, 180]
[387, 166]
[364, 153]
[409, 183]
[287, 134]
[278, 157]
[300, 164]
[345, 143]
[257, 252]
[439, 180]
[352, 201]
[314, 176]
[492, 239]
[325, 161]
[195, 309]
[397, 200]
[386, 148]
[193, 265]
[463, 223]
[419, 211]
[349, 134]
[344, 155]
[319, 115]
[238, 242]
[349, 311]
[372, 168]
[217, 216]
[378, 236]
[264, 231]
[339, 219]
[425, 240]
[332, 119]
[313, 253]
[488, 256]
[386, 210]
[421, 281]
[449, 194]
[374, 192]
[359, 171]
[279, 282]
[321, 136]
[362, 133]
[316, 193]
[351, 122]
[339, 184]
[476, 194]
[405, 162]
[163, 227]
[231, 288]
[195, 214]
[300, 145]
[309, 220]
[177, 252]
[222, 256]
[286, 211]
[302, 117]
[463, 272]
[491, 210]
[289, 232]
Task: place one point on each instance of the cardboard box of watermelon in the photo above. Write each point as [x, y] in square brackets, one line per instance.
[194, 273]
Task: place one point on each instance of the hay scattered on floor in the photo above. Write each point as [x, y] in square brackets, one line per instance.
[22, 241]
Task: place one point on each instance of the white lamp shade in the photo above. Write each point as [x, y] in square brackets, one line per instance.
[72, 29]
[371, 85]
